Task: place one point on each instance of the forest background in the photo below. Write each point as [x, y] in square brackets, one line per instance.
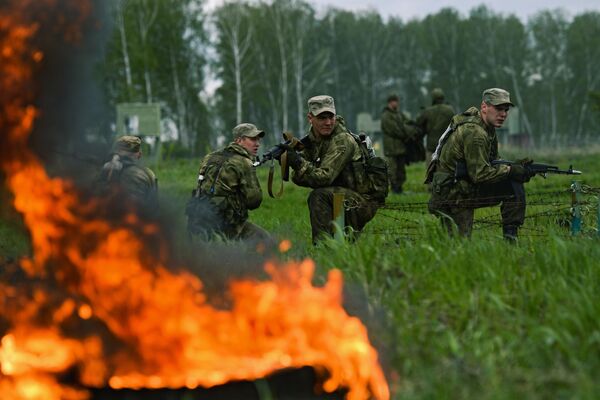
[259, 62]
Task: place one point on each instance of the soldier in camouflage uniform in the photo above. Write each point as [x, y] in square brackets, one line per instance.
[396, 133]
[330, 164]
[461, 173]
[434, 120]
[125, 173]
[227, 179]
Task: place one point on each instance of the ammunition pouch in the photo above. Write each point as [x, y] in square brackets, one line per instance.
[441, 186]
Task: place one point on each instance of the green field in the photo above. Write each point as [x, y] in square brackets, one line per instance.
[453, 318]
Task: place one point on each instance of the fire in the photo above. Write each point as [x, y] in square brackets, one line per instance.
[168, 335]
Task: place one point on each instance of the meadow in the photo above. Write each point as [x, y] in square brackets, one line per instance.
[452, 318]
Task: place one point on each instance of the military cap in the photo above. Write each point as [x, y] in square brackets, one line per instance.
[248, 130]
[496, 96]
[320, 104]
[437, 93]
[393, 97]
[128, 143]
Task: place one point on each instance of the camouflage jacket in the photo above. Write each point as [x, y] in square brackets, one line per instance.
[475, 144]
[135, 181]
[433, 121]
[229, 180]
[327, 161]
[396, 132]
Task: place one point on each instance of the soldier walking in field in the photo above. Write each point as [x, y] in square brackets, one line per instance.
[397, 132]
[434, 120]
[332, 162]
[125, 174]
[227, 188]
[461, 173]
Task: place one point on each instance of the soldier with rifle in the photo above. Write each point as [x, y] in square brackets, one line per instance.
[465, 172]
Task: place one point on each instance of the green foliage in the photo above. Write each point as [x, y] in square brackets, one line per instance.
[454, 318]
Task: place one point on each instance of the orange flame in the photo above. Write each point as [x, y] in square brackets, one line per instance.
[172, 336]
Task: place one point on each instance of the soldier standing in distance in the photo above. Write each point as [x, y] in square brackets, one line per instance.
[331, 162]
[396, 133]
[124, 172]
[462, 176]
[434, 120]
[228, 181]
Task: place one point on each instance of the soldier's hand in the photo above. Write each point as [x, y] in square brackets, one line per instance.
[519, 173]
[294, 159]
[525, 161]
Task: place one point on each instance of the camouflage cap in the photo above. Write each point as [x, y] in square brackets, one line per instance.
[320, 104]
[131, 144]
[437, 93]
[496, 96]
[393, 97]
[248, 130]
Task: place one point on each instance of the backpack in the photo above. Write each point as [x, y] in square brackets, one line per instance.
[205, 213]
[374, 169]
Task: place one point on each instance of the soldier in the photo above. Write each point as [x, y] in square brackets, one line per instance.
[227, 181]
[397, 132]
[434, 120]
[332, 162]
[125, 173]
[461, 173]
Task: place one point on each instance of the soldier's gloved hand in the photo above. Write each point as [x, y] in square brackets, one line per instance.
[294, 159]
[519, 173]
[525, 161]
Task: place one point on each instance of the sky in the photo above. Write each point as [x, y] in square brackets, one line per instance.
[411, 9]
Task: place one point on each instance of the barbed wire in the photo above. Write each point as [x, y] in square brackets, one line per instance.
[560, 211]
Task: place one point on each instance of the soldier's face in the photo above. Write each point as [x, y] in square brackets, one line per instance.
[249, 143]
[393, 104]
[323, 123]
[494, 115]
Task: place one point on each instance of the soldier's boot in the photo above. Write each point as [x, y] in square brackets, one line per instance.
[510, 233]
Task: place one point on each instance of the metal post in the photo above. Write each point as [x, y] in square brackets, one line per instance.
[576, 210]
[598, 219]
[338, 215]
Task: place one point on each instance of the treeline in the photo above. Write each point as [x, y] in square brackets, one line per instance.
[268, 58]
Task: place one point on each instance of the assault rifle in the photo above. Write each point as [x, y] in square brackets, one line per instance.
[277, 152]
[540, 169]
[289, 141]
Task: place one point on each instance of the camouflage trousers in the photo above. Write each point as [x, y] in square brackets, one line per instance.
[357, 211]
[397, 172]
[510, 195]
[253, 233]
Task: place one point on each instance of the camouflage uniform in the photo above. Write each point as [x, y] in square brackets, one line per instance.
[327, 167]
[396, 132]
[124, 172]
[229, 182]
[465, 180]
[434, 120]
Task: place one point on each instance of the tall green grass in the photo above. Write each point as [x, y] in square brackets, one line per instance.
[454, 318]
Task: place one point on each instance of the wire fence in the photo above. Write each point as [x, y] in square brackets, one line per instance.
[565, 209]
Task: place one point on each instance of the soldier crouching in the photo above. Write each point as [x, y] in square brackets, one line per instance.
[332, 162]
[462, 176]
[227, 188]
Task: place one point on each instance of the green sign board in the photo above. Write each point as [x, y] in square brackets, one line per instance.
[138, 119]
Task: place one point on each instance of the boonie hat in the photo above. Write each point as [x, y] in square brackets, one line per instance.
[496, 96]
[320, 104]
[248, 130]
[393, 97]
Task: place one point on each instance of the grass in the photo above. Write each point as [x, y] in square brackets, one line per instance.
[468, 319]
